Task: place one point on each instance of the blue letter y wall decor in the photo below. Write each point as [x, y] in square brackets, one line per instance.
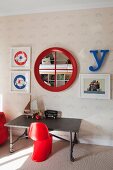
[99, 60]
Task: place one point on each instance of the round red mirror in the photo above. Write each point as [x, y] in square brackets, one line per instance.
[55, 69]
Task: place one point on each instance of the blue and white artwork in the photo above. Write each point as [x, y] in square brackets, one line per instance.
[20, 81]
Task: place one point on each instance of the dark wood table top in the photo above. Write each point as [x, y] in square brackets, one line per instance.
[59, 124]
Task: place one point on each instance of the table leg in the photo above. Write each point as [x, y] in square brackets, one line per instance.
[11, 141]
[24, 135]
[72, 143]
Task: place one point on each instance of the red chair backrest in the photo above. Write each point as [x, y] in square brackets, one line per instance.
[38, 131]
[2, 118]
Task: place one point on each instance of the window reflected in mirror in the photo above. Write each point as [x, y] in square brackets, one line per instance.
[55, 69]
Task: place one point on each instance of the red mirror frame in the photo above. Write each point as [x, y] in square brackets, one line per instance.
[37, 73]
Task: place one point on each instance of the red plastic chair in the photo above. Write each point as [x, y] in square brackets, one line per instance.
[3, 129]
[42, 146]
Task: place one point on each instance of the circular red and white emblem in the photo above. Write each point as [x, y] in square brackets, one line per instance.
[20, 58]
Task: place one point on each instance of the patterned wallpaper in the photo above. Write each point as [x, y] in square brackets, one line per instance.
[79, 32]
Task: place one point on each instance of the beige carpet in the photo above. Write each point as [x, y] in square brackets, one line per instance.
[89, 157]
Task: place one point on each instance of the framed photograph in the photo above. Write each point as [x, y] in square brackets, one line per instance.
[20, 58]
[96, 86]
[20, 81]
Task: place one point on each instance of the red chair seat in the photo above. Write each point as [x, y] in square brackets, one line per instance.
[42, 145]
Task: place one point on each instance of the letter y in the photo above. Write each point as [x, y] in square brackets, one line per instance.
[99, 61]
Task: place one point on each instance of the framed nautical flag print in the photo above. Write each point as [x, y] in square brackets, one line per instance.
[20, 58]
[20, 81]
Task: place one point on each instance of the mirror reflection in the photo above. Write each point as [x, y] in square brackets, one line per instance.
[55, 69]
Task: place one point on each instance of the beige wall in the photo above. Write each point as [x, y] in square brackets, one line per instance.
[78, 32]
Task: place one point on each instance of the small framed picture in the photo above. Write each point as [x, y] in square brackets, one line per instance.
[20, 58]
[20, 81]
[96, 86]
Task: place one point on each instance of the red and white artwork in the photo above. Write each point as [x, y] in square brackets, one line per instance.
[20, 58]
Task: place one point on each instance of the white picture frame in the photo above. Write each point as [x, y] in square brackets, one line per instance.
[20, 58]
[20, 81]
[95, 86]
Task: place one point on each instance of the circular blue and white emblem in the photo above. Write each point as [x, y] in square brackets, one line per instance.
[20, 82]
